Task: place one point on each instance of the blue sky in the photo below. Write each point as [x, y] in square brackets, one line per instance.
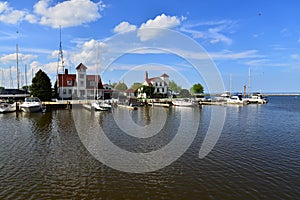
[263, 36]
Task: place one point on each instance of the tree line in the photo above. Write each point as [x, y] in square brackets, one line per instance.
[41, 87]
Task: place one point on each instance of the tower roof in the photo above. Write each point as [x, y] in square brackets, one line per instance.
[164, 75]
[81, 66]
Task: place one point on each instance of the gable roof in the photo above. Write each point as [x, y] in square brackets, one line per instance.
[164, 75]
[63, 80]
[81, 66]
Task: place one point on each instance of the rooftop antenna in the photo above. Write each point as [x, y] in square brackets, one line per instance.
[61, 56]
[61, 59]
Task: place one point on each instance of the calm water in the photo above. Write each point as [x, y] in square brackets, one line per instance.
[257, 156]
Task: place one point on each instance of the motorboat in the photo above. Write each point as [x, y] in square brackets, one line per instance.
[31, 104]
[100, 105]
[256, 98]
[184, 102]
[6, 107]
[235, 99]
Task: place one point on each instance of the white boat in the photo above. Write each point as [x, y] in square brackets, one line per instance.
[100, 105]
[256, 98]
[6, 107]
[31, 104]
[236, 100]
[184, 102]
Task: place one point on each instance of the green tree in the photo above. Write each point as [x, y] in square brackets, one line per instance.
[197, 88]
[55, 90]
[174, 87]
[41, 86]
[149, 90]
[121, 87]
[135, 86]
[184, 93]
[114, 84]
[25, 87]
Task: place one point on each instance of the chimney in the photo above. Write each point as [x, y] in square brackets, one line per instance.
[146, 76]
[66, 71]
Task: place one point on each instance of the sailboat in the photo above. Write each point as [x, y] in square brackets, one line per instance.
[99, 103]
[254, 98]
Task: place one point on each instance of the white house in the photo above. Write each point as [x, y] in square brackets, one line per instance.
[79, 85]
[160, 84]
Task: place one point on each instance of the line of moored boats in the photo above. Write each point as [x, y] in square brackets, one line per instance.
[31, 104]
[34, 104]
[238, 98]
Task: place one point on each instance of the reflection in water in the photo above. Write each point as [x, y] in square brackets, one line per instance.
[256, 157]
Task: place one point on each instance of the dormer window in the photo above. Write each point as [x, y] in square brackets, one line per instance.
[69, 83]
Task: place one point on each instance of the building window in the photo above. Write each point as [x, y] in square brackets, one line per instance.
[92, 83]
[81, 83]
[69, 83]
[64, 91]
[81, 75]
[162, 90]
[160, 84]
[70, 91]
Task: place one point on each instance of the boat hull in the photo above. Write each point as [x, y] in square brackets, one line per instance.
[100, 106]
[30, 109]
[7, 108]
[185, 103]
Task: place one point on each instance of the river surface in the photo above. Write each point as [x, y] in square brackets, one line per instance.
[256, 156]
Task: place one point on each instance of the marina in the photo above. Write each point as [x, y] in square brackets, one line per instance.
[256, 156]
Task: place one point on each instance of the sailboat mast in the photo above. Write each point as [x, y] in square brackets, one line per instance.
[230, 80]
[17, 58]
[10, 80]
[97, 64]
[249, 75]
[26, 77]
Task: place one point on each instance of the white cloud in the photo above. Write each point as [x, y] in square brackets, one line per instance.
[87, 53]
[11, 58]
[9, 15]
[160, 22]
[31, 18]
[3, 7]
[223, 55]
[295, 56]
[213, 31]
[124, 27]
[67, 13]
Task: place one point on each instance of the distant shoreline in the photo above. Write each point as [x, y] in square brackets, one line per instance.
[281, 94]
[265, 94]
